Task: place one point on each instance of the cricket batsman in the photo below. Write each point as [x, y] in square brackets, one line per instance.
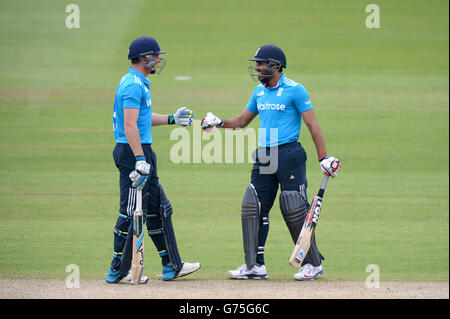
[279, 160]
[133, 119]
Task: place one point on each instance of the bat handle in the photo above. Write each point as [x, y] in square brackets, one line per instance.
[324, 182]
[322, 186]
[139, 200]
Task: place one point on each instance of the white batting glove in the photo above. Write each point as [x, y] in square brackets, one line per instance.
[210, 122]
[141, 173]
[182, 116]
[330, 165]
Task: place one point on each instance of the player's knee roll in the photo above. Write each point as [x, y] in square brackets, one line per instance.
[250, 203]
[294, 209]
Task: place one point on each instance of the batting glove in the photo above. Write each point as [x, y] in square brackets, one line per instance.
[140, 174]
[210, 121]
[330, 165]
[182, 116]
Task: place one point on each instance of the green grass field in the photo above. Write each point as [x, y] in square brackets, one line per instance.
[381, 97]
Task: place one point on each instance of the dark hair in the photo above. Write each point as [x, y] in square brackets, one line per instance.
[136, 60]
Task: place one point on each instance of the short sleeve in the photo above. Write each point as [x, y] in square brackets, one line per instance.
[252, 105]
[132, 96]
[301, 99]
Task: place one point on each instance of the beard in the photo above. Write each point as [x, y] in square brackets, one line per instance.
[264, 78]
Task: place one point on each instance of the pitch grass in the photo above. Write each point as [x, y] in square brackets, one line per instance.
[381, 97]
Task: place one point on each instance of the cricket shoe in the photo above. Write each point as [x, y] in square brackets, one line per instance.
[113, 276]
[170, 273]
[127, 279]
[308, 272]
[257, 272]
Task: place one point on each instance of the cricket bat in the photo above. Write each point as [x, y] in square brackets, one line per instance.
[137, 264]
[309, 227]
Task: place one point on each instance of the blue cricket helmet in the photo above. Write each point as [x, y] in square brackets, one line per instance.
[144, 46]
[270, 53]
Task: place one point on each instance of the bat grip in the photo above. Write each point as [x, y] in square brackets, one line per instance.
[139, 200]
[323, 186]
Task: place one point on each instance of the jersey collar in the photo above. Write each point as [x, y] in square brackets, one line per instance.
[278, 84]
[140, 75]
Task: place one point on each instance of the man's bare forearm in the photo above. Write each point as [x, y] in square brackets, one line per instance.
[316, 133]
[233, 122]
[133, 138]
[159, 119]
[319, 141]
[239, 121]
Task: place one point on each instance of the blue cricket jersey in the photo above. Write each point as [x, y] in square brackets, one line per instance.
[279, 110]
[133, 91]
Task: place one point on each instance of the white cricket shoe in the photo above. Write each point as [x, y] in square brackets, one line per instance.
[188, 268]
[170, 273]
[257, 272]
[127, 279]
[308, 272]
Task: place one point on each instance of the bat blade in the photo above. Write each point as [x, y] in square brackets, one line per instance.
[306, 234]
[309, 227]
[137, 265]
